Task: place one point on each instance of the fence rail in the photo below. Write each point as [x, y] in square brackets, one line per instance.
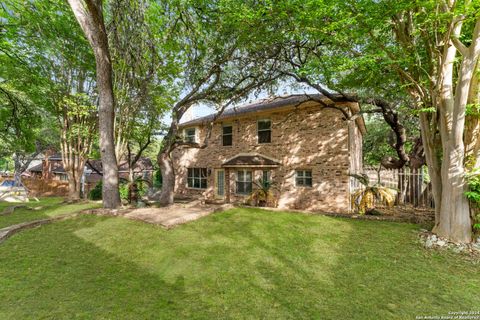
[412, 185]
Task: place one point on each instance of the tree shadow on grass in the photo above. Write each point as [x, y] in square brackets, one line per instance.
[300, 266]
[49, 272]
[43, 210]
[235, 264]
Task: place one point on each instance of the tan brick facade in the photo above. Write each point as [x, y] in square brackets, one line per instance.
[308, 137]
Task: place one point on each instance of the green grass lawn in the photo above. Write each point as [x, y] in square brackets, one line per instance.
[32, 203]
[239, 264]
[45, 208]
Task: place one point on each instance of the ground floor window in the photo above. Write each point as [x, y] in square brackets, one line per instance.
[244, 181]
[266, 175]
[197, 178]
[266, 178]
[303, 178]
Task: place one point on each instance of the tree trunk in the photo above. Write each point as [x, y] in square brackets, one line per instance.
[74, 172]
[90, 18]
[168, 178]
[17, 174]
[166, 195]
[111, 196]
[132, 188]
[73, 190]
[448, 94]
[432, 160]
[455, 221]
[20, 166]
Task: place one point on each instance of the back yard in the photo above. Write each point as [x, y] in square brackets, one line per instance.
[242, 263]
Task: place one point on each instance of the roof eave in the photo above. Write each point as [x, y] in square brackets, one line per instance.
[250, 165]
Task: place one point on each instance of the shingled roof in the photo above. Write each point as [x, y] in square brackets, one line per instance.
[251, 160]
[143, 164]
[262, 105]
[37, 168]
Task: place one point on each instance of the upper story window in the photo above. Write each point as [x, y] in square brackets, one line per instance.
[190, 135]
[244, 182]
[227, 135]
[264, 131]
[303, 178]
[197, 178]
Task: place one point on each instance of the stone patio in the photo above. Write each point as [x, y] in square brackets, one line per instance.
[167, 217]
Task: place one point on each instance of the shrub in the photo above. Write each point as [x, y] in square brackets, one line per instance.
[157, 179]
[262, 195]
[142, 187]
[364, 200]
[96, 192]
[473, 194]
[123, 190]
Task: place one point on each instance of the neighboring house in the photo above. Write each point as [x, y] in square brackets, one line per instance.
[305, 148]
[52, 168]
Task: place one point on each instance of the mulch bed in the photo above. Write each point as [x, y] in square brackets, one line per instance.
[406, 214]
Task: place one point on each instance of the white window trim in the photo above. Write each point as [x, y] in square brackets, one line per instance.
[196, 134]
[304, 177]
[236, 180]
[206, 179]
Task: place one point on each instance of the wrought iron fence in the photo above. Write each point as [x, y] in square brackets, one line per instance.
[412, 185]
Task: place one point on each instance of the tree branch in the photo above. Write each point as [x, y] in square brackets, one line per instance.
[460, 46]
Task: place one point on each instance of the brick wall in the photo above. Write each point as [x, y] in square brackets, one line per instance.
[306, 138]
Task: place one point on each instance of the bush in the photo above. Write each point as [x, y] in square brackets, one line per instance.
[157, 179]
[123, 189]
[473, 194]
[96, 192]
[364, 200]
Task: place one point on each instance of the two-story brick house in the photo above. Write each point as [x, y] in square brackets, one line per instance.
[306, 148]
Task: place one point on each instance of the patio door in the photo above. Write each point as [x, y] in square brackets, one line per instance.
[220, 183]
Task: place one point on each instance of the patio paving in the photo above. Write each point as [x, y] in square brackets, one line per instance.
[167, 217]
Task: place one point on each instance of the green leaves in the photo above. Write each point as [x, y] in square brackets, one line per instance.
[43, 58]
[80, 116]
[473, 181]
[362, 178]
[473, 194]
[473, 109]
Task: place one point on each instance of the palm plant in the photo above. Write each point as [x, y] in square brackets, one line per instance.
[364, 200]
[262, 195]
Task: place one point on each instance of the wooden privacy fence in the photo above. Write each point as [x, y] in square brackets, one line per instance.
[412, 185]
[45, 188]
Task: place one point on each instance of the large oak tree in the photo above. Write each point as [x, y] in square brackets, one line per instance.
[219, 62]
[89, 14]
